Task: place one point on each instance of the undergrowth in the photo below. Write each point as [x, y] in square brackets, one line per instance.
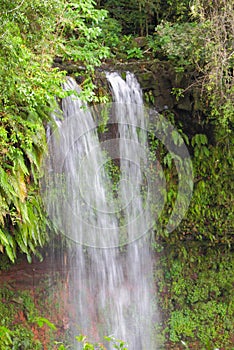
[194, 288]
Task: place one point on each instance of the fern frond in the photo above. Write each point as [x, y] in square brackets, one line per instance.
[8, 244]
[21, 244]
[6, 186]
[19, 164]
[23, 211]
[33, 157]
[22, 187]
[3, 239]
[10, 252]
[3, 209]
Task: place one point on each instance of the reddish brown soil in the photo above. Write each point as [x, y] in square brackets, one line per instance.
[24, 275]
[47, 284]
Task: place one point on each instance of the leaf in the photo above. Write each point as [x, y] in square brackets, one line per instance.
[29, 258]
[6, 333]
[81, 338]
[10, 253]
[41, 321]
[206, 151]
[20, 165]
[3, 238]
[203, 139]
[22, 187]
[6, 185]
[21, 243]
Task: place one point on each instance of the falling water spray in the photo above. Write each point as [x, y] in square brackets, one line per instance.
[111, 287]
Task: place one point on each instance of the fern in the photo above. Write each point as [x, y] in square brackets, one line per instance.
[10, 252]
[3, 238]
[9, 245]
[19, 164]
[3, 209]
[6, 186]
[22, 221]
[22, 187]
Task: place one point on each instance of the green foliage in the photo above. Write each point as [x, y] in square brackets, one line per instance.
[81, 32]
[204, 46]
[113, 172]
[32, 34]
[86, 345]
[127, 14]
[19, 338]
[210, 215]
[128, 49]
[135, 52]
[195, 292]
[23, 321]
[182, 43]
[41, 321]
[199, 143]
[116, 343]
[13, 334]
[139, 17]
[195, 285]
[123, 47]
[21, 215]
[28, 86]
[111, 34]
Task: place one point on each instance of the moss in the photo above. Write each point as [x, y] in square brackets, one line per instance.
[195, 285]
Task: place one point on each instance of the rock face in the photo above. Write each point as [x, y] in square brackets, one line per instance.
[158, 78]
[161, 87]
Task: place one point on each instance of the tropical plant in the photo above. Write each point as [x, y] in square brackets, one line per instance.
[116, 343]
[32, 34]
[204, 45]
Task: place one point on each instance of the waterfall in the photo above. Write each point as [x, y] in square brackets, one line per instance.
[111, 265]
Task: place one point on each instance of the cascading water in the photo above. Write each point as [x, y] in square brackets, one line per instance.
[129, 114]
[111, 263]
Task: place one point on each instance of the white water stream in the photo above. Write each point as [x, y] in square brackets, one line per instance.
[111, 287]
